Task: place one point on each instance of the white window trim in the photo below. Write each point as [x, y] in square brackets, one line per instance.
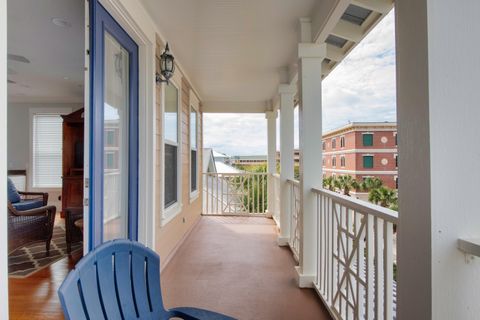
[194, 104]
[170, 212]
[33, 111]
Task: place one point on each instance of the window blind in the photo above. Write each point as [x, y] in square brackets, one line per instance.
[47, 151]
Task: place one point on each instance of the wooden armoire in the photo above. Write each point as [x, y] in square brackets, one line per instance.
[72, 177]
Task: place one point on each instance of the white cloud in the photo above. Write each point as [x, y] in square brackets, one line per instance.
[361, 88]
[235, 134]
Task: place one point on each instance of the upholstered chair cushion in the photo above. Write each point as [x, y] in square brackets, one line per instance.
[13, 195]
[28, 204]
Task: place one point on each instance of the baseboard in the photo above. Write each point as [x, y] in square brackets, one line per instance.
[179, 244]
[283, 241]
[304, 280]
[268, 214]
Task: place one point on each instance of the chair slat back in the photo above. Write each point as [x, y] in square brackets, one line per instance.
[118, 280]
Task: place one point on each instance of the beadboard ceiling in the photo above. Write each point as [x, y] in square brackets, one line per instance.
[235, 51]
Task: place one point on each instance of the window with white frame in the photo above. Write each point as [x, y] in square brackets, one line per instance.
[334, 161]
[193, 150]
[171, 118]
[47, 143]
[342, 161]
[342, 142]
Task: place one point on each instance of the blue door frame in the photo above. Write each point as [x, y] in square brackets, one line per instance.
[100, 22]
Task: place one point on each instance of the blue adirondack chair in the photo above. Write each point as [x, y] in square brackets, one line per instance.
[120, 279]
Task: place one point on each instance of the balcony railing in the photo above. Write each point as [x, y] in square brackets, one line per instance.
[355, 253]
[276, 203]
[235, 193]
[295, 230]
[355, 270]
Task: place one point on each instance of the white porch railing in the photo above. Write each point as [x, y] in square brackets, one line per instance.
[235, 193]
[355, 271]
[295, 212]
[276, 187]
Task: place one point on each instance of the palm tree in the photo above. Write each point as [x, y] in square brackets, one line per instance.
[346, 183]
[384, 197]
[371, 183]
[329, 183]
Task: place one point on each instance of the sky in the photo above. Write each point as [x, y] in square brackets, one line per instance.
[361, 88]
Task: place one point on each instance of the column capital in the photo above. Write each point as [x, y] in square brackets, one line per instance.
[271, 114]
[312, 50]
[287, 89]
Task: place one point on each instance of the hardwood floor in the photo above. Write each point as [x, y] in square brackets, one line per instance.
[36, 297]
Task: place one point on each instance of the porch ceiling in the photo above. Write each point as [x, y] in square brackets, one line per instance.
[236, 52]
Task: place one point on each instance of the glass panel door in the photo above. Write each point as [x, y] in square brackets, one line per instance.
[115, 145]
[113, 130]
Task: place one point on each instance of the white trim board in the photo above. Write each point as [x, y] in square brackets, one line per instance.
[3, 162]
[167, 214]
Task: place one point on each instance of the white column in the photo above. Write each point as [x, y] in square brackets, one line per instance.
[271, 117]
[287, 94]
[438, 116]
[3, 163]
[310, 117]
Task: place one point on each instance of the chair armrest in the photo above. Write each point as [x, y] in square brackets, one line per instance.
[50, 210]
[44, 195]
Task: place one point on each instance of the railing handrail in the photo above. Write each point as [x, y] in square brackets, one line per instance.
[360, 206]
[294, 182]
[235, 174]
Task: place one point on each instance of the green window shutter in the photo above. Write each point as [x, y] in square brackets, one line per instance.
[368, 162]
[368, 139]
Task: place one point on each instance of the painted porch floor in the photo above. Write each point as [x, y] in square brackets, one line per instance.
[234, 266]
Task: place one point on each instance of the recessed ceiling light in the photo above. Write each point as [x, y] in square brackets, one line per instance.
[66, 78]
[61, 22]
[18, 58]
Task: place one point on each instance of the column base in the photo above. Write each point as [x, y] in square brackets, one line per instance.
[304, 280]
[282, 241]
[268, 214]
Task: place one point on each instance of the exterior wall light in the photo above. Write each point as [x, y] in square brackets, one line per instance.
[167, 66]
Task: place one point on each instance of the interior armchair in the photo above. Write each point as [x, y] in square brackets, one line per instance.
[29, 218]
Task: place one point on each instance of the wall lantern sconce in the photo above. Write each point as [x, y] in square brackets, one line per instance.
[167, 66]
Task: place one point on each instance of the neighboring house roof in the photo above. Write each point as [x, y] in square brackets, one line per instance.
[208, 161]
[217, 154]
[250, 157]
[225, 168]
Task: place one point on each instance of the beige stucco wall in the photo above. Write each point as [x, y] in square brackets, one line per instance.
[170, 236]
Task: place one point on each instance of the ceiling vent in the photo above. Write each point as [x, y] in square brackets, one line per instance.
[336, 41]
[356, 15]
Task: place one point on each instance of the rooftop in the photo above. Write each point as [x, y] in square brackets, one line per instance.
[361, 125]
